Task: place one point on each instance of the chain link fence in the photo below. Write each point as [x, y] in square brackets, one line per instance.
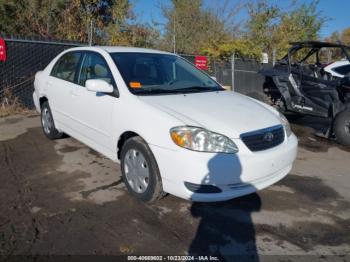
[26, 57]
[246, 78]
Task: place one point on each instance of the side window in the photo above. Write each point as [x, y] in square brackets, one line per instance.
[66, 66]
[343, 70]
[94, 67]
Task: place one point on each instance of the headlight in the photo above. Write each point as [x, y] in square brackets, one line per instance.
[199, 139]
[286, 124]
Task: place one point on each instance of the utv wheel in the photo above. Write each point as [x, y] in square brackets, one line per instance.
[140, 171]
[342, 128]
[48, 124]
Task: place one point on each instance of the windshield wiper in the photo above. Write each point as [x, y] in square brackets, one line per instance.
[150, 91]
[192, 89]
[196, 89]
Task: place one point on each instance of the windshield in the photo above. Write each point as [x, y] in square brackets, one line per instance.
[147, 74]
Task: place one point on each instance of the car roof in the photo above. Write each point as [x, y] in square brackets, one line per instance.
[317, 44]
[123, 49]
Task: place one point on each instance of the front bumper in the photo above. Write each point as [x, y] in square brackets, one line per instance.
[235, 174]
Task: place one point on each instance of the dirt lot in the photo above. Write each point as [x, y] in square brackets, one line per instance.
[60, 197]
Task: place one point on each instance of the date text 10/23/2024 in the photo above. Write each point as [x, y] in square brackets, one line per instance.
[173, 258]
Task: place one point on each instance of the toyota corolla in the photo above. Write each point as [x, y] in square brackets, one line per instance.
[172, 128]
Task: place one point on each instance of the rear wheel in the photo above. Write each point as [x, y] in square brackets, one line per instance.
[140, 170]
[342, 128]
[48, 124]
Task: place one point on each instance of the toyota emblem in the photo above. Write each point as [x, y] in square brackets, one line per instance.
[268, 137]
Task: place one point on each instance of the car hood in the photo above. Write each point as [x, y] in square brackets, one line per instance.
[224, 112]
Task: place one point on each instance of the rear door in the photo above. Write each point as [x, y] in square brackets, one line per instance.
[60, 87]
[94, 110]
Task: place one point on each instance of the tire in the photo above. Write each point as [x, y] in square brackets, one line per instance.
[342, 128]
[140, 171]
[47, 123]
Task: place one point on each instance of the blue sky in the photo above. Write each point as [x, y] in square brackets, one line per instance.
[337, 11]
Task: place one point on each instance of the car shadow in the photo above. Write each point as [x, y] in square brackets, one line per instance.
[226, 229]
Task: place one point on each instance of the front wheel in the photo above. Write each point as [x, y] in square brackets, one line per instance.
[342, 128]
[140, 170]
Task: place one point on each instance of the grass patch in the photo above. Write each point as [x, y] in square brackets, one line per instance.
[10, 104]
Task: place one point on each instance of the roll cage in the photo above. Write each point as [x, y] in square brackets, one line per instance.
[315, 47]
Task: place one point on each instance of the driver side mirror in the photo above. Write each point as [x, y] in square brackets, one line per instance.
[98, 85]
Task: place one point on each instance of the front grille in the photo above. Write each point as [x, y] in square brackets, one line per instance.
[264, 138]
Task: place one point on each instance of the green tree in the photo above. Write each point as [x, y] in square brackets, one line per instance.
[242, 47]
[195, 28]
[28, 18]
[301, 24]
[66, 19]
[184, 21]
[269, 28]
[107, 18]
[345, 36]
[262, 24]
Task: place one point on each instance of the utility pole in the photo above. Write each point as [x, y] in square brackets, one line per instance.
[90, 33]
[233, 71]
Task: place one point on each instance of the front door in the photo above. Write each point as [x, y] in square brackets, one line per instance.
[94, 110]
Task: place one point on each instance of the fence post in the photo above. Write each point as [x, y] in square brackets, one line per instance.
[233, 71]
[215, 73]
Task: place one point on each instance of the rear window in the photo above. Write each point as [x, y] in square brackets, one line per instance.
[66, 67]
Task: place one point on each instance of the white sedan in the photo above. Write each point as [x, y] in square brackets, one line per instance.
[339, 68]
[172, 127]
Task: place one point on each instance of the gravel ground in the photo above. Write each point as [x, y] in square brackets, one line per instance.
[62, 198]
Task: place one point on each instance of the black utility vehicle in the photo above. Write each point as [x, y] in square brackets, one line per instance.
[299, 84]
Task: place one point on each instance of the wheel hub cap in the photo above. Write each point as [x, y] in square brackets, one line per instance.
[47, 121]
[136, 171]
